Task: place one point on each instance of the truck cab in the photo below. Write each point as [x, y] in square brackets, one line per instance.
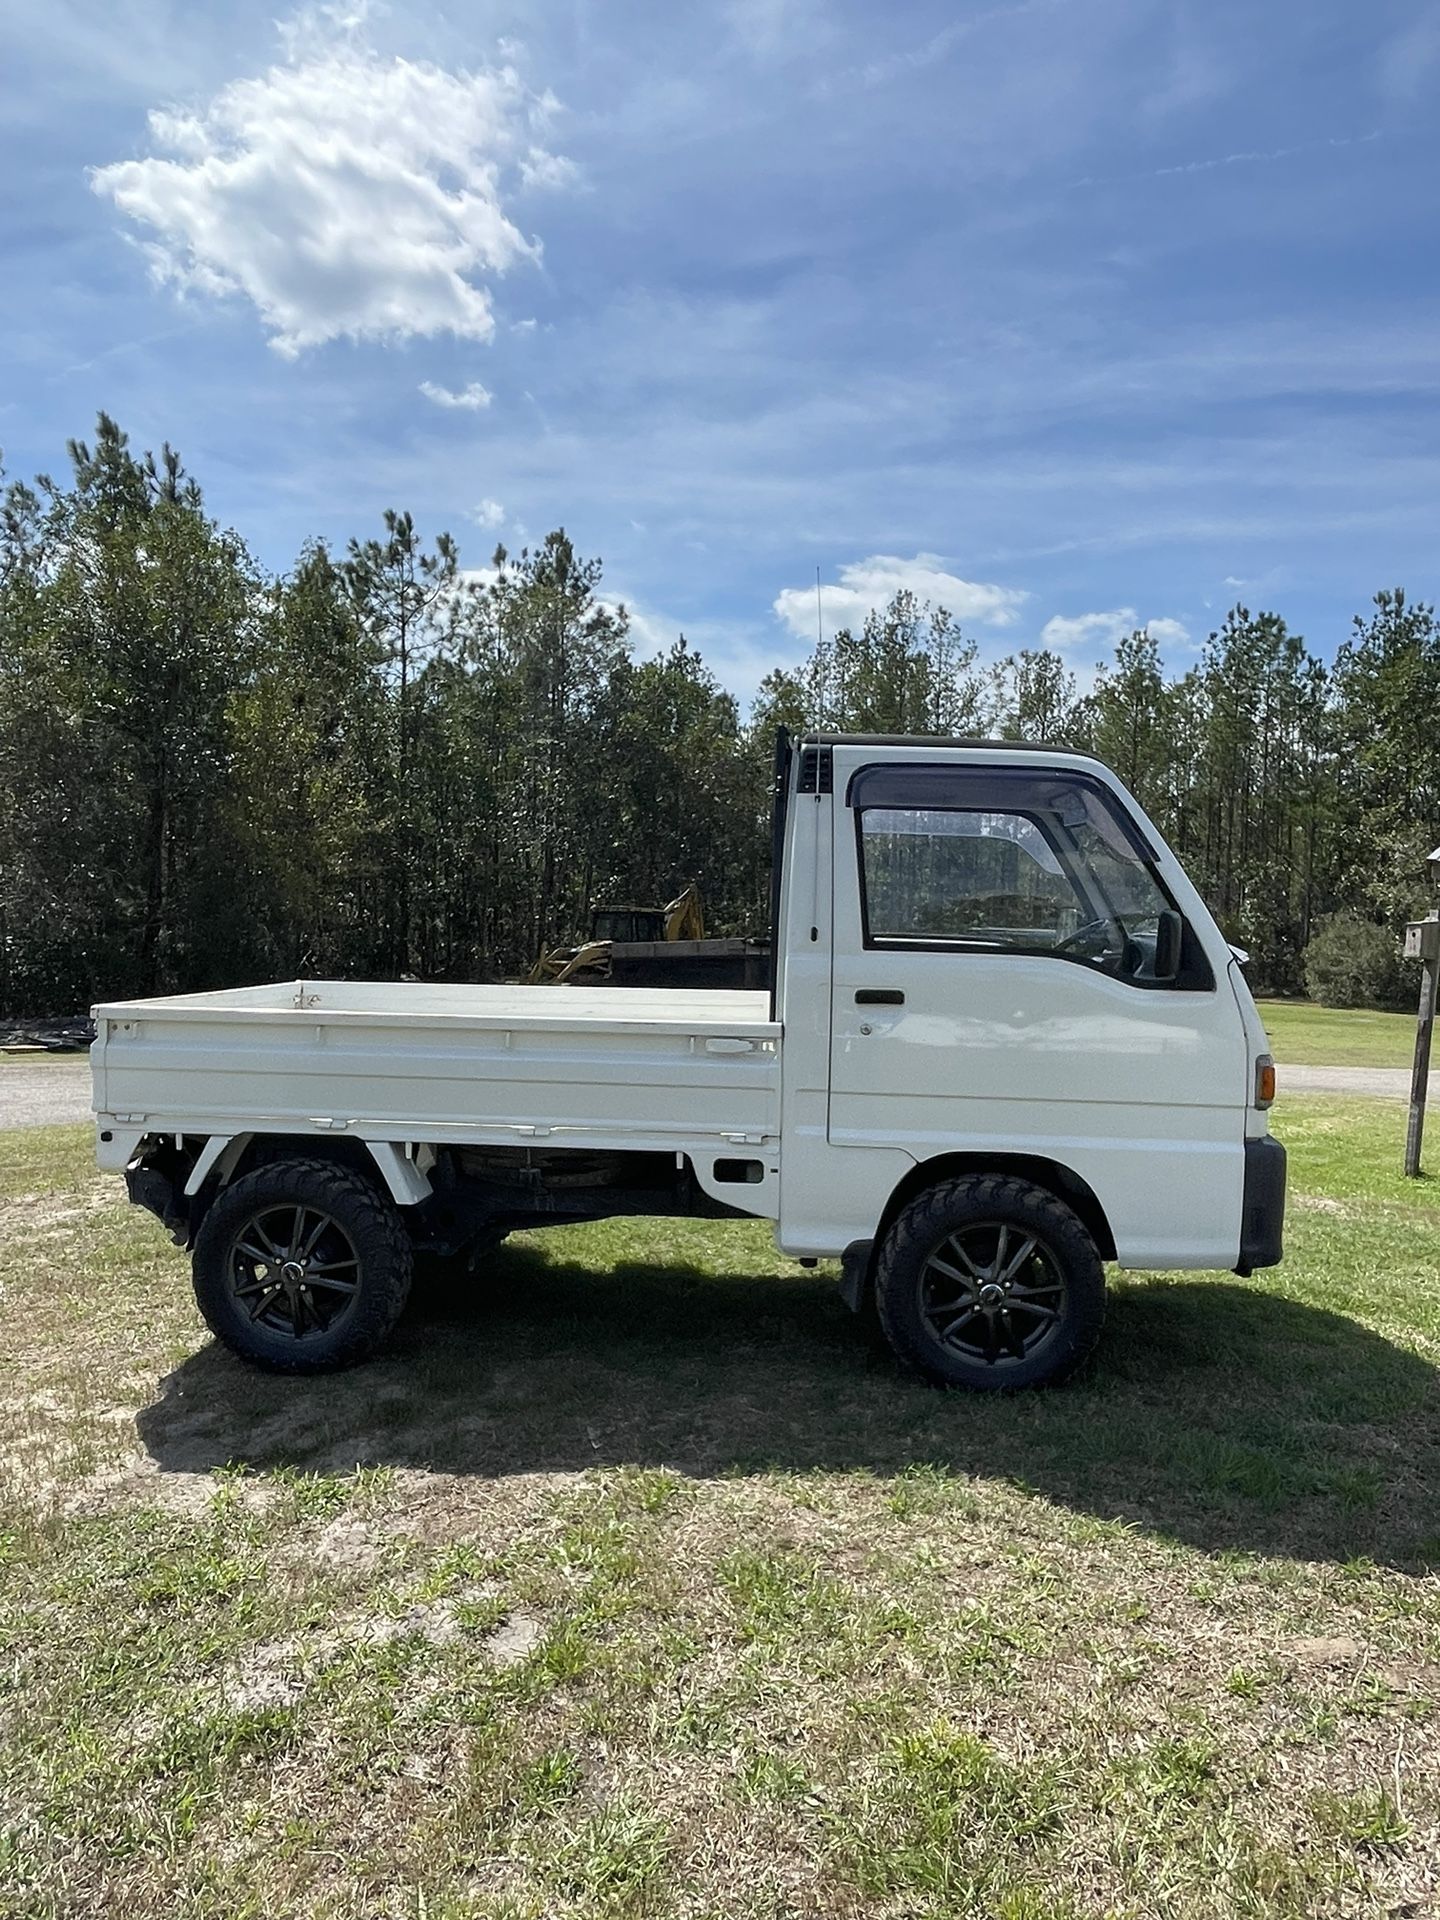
[1005, 1043]
[987, 952]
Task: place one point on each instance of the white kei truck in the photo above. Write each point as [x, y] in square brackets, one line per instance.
[1005, 1042]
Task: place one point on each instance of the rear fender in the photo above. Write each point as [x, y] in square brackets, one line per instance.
[225, 1155]
[220, 1155]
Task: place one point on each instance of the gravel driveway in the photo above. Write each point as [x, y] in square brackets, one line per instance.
[1389, 1083]
[51, 1093]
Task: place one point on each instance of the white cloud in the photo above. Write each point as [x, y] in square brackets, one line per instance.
[1088, 629]
[873, 583]
[1268, 580]
[489, 513]
[472, 399]
[552, 171]
[651, 634]
[1169, 633]
[1106, 629]
[344, 194]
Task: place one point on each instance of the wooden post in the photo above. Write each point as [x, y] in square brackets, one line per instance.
[1420, 1074]
[1422, 942]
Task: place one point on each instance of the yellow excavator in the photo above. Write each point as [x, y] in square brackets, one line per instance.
[683, 919]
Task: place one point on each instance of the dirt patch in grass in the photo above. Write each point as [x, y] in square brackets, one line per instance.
[1323, 1203]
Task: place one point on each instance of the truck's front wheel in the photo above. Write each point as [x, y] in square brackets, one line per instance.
[988, 1281]
[302, 1267]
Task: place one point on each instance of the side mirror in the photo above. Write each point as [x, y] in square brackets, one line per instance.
[1169, 935]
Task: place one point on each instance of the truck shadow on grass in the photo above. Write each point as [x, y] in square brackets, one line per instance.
[1213, 1413]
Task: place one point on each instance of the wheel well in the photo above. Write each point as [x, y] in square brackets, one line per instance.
[267, 1148]
[1060, 1181]
[264, 1150]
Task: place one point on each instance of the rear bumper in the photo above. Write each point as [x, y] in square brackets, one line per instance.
[1262, 1218]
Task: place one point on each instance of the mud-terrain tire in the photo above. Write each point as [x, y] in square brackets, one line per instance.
[302, 1267]
[990, 1282]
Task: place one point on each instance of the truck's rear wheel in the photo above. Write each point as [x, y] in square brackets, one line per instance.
[302, 1267]
[988, 1281]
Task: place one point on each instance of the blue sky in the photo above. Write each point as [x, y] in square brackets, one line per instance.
[1072, 313]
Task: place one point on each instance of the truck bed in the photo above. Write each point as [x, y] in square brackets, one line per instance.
[584, 1066]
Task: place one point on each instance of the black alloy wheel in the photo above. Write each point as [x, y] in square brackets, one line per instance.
[303, 1266]
[294, 1270]
[990, 1281]
[993, 1293]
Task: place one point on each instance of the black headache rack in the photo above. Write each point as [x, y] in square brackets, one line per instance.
[779, 807]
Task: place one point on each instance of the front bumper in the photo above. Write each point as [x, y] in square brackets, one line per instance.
[1262, 1216]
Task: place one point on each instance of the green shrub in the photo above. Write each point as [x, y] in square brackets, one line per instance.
[1352, 962]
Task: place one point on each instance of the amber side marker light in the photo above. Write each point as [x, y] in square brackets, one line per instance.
[1265, 1081]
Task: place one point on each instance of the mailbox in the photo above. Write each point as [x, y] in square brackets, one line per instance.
[1422, 941]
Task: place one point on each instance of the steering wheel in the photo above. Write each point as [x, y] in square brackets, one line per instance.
[1103, 925]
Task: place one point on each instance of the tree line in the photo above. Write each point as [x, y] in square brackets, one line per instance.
[381, 764]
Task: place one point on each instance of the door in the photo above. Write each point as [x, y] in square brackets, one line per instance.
[994, 991]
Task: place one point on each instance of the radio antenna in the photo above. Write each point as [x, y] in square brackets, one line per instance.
[819, 622]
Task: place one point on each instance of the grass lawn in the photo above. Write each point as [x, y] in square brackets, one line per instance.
[644, 1585]
[1304, 1035]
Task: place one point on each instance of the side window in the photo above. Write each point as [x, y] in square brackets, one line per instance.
[934, 873]
[1009, 859]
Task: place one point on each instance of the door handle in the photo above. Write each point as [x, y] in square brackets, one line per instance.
[879, 997]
